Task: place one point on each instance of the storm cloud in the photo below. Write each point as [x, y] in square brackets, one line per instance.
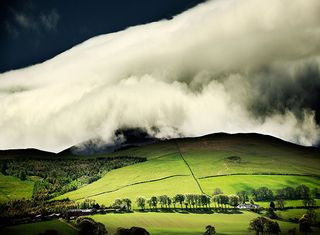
[223, 66]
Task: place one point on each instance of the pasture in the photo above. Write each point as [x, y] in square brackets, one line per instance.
[13, 188]
[184, 224]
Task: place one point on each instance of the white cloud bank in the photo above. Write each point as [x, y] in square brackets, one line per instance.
[189, 76]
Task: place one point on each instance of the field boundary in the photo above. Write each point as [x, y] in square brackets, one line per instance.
[194, 177]
[128, 185]
[262, 174]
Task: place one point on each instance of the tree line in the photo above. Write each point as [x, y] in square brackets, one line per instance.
[221, 200]
[287, 193]
[264, 225]
[301, 192]
[186, 201]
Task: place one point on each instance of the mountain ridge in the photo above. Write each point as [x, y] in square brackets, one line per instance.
[38, 153]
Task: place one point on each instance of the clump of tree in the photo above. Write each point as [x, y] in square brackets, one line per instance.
[153, 201]
[305, 224]
[124, 204]
[13, 210]
[165, 201]
[210, 230]
[300, 192]
[197, 200]
[263, 225]
[220, 200]
[178, 199]
[141, 202]
[243, 196]
[262, 194]
[309, 202]
[234, 200]
[132, 231]
[88, 204]
[87, 226]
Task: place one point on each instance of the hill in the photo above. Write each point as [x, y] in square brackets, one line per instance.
[232, 162]
[26, 153]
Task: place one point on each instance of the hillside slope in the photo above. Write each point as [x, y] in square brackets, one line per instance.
[198, 165]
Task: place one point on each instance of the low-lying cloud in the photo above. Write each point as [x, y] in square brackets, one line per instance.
[223, 66]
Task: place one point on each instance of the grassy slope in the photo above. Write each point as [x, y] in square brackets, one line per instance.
[207, 157]
[169, 187]
[176, 223]
[13, 188]
[149, 151]
[259, 154]
[39, 227]
[288, 203]
[158, 168]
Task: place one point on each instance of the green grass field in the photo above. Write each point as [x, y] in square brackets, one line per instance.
[186, 184]
[288, 203]
[170, 187]
[235, 183]
[39, 227]
[183, 224]
[165, 172]
[152, 170]
[262, 161]
[14, 188]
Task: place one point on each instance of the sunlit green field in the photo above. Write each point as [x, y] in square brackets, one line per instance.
[208, 162]
[156, 170]
[14, 188]
[149, 151]
[165, 172]
[235, 183]
[288, 203]
[39, 227]
[186, 184]
[183, 224]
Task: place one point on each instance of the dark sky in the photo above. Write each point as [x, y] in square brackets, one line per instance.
[36, 30]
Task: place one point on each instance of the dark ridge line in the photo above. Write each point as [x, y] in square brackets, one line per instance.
[215, 176]
[128, 185]
[190, 169]
[215, 135]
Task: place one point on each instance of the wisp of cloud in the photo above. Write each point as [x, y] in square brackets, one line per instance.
[223, 66]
